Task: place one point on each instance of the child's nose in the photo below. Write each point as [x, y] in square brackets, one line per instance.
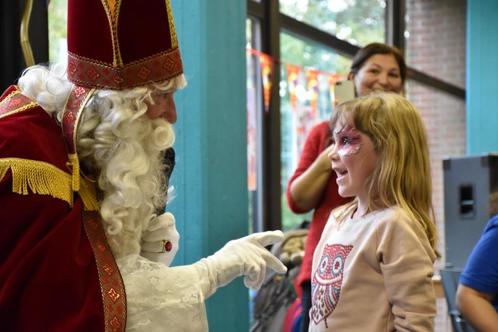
[333, 153]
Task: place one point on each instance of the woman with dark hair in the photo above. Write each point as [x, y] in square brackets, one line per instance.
[375, 67]
[368, 64]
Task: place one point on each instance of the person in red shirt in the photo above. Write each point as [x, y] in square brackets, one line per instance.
[375, 67]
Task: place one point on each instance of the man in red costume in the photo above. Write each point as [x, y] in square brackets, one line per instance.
[82, 178]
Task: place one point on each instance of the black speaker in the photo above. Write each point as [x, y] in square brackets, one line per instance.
[470, 200]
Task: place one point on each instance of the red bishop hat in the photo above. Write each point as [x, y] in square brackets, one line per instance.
[120, 44]
[115, 44]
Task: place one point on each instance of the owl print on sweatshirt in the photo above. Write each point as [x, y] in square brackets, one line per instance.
[327, 281]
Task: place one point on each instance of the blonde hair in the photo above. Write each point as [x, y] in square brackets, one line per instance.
[402, 177]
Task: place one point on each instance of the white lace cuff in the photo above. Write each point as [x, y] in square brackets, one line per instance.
[161, 298]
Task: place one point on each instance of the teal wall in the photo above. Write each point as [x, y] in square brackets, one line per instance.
[210, 176]
[482, 76]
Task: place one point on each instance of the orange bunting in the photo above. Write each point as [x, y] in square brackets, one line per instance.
[312, 77]
[333, 78]
[266, 75]
[312, 87]
[293, 82]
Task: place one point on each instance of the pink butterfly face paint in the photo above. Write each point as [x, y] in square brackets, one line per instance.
[348, 140]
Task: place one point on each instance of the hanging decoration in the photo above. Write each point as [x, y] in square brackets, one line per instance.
[333, 78]
[266, 76]
[293, 73]
[306, 87]
[312, 88]
[312, 76]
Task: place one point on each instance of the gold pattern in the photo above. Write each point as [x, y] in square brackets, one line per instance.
[6, 102]
[115, 324]
[113, 295]
[111, 285]
[79, 68]
[9, 96]
[107, 269]
[86, 94]
[112, 8]
[172, 29]
[72, 114]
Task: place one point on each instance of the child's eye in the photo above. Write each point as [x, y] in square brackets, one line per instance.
[346, 140]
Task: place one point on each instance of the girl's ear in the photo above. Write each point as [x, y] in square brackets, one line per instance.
[350, 76]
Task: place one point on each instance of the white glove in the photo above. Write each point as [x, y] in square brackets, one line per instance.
[160, 242]
[246, 256]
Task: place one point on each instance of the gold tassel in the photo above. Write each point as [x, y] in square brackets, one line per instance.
[43, 178]
[88, 195]
[38, 177]
[75, 169]
[3, 169]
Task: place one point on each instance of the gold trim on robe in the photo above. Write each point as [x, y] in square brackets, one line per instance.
[111, 282]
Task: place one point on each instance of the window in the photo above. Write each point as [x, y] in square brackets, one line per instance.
[308, 71]
[322, 36]
[358, 22]
[57, 21]
[254, 112]
[316, 59]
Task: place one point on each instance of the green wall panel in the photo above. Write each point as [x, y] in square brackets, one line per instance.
[210, 176]
[482, 76]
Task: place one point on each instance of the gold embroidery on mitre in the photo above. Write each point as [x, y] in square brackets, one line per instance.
[38, 177]
[112, 8]
[172, 30]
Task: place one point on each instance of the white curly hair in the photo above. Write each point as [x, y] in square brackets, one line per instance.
[119, 146]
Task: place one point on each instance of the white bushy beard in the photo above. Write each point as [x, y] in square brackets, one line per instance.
[119, 146]
[126, 151]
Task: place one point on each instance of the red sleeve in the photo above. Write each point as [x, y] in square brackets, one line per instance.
[315, 143]
[48, 274]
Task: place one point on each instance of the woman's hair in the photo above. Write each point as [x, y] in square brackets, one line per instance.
[372, 49]
[402, 176]
[118, 146]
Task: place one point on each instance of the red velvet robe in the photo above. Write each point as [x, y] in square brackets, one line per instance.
[48, 274]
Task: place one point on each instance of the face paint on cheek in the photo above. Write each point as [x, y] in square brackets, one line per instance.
[349, 149]
[349, 141]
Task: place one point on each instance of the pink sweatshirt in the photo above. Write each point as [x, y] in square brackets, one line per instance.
[373, 273]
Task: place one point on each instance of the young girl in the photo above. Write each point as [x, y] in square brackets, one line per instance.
[375, 66]
[373, 266]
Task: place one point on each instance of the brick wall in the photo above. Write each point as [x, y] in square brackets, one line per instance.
[436, 45]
